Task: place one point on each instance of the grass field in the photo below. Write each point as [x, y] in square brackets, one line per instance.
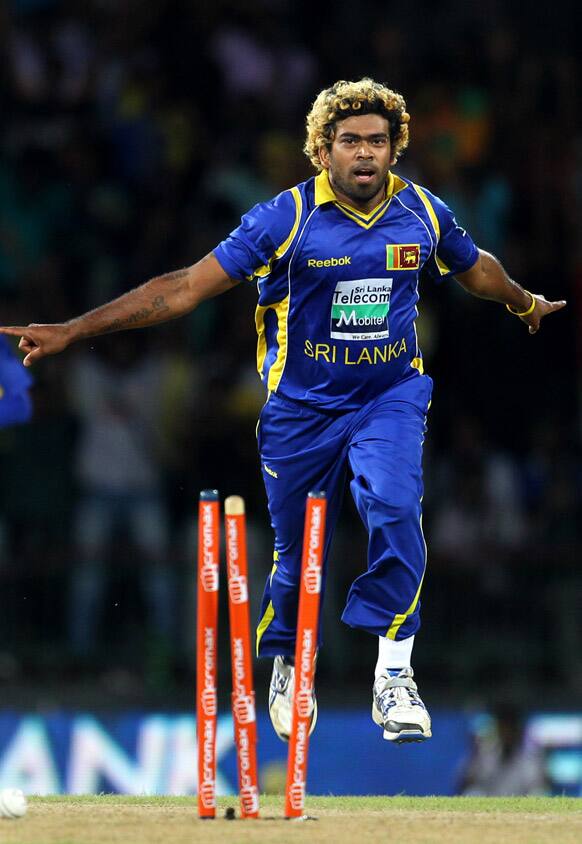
[410, 820]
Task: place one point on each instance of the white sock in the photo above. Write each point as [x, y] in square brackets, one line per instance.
[393, 654]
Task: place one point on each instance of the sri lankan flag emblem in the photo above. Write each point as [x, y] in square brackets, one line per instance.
[403, 256]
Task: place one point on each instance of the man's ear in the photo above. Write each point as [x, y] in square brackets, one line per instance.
[324, 157]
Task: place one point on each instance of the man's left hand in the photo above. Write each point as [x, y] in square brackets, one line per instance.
[542, 309]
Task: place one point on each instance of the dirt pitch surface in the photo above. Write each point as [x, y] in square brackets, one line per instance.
[414, 820]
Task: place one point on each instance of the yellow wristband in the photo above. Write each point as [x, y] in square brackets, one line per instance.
[512, 310]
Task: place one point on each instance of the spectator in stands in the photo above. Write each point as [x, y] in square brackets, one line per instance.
[117, 397]
[503, 762]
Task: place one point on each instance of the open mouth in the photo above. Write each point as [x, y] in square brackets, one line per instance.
[363, 175]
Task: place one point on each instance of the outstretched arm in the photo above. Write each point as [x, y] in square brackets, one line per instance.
[162, 298]
[488, 280]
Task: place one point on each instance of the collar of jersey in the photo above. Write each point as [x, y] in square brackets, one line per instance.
[324, 193]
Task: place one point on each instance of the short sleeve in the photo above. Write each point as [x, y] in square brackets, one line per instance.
[264, 235]
[455, 251]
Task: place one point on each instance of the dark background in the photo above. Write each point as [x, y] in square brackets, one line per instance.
[132, 138]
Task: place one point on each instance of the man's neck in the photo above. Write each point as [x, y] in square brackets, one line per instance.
[363, 206]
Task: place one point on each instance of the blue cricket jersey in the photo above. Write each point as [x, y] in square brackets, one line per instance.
[15, 381]
[338, 289]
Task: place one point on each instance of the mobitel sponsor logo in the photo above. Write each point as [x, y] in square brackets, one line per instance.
[359, 309]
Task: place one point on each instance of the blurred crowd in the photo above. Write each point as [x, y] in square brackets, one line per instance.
[133, 136]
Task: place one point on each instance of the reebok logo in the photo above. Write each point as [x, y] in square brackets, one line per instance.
[330, 262]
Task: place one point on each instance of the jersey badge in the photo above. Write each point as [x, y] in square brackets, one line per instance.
[403, 256]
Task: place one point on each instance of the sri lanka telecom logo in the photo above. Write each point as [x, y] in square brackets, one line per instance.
[359, 309]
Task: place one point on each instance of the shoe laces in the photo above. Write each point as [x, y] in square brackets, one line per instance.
[398, 689]
[280, 679]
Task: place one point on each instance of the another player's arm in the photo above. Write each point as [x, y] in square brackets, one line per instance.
[488, 280]
[162, 298]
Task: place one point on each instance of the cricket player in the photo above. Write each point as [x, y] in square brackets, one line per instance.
[15, 383]
[336, 261]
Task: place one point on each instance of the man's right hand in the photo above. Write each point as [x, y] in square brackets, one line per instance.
[36, 341]
[158, 300]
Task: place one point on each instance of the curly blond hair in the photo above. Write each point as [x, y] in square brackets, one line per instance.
[350, 99]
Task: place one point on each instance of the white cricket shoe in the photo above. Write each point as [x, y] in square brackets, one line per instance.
[281, 697]
[397, 707]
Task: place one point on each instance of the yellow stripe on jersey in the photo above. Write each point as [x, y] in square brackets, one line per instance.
[442, 267]
[323, 190]
[270, 611]
[264, 623]
[261, 338]
[430, 210]
[400, 618]
[281, 308]
[366, 221]
[276, 371]
[416, 363]
[265, 270]
[324, 193]
[282, 312]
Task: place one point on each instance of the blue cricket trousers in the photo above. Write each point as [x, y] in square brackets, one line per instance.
[304, 449]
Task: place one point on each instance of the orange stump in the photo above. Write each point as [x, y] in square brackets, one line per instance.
[206, 650]
[243, 690]
[305, 649]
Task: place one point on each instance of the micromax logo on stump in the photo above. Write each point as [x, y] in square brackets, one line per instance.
[249, 792]
[207, 794]
[243, 702]
[297, 796]
[237, 583]
[208, 696]
[238, 589]
[297, 788]
[207, 790]
[312, 573]
[209, 570]
[249, 795]
[303, 698]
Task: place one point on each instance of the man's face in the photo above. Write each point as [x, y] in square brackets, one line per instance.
[359, 158]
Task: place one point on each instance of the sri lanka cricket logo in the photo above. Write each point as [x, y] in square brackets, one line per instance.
[403, 256]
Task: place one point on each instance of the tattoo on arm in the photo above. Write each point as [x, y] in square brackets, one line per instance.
[174, 284]
[176, 275]
[158, 308]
